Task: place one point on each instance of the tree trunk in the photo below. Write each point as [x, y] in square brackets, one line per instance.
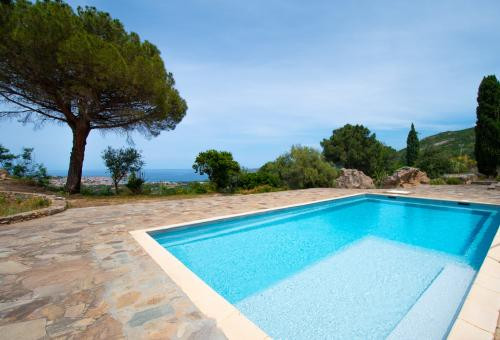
[81, 131]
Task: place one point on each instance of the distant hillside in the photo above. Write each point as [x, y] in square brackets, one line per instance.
[454, 143]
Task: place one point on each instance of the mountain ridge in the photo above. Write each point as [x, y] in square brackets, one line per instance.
[452, 143]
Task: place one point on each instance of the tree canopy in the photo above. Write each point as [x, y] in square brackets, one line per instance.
[220, 167]
[84, 70]
[301, 167]
[355, 147]
[121, 162]
[412, 146]
[487, 147]
[434, 162]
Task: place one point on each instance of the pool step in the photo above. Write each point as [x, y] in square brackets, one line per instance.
[436, 307]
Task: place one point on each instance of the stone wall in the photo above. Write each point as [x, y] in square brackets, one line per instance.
[57, 204]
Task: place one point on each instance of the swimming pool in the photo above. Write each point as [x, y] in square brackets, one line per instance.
[368, 266]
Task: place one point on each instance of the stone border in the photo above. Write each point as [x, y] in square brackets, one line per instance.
[57, 204]
[477, 317]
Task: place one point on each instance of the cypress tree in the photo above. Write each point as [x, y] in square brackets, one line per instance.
[412, 146]
[487, 146]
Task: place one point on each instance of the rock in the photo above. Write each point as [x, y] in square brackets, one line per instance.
[140, 318]
[354, 179]
[75, 311]
[52, 312]
[495, 186]
[33, 329]
[12, 267]
[127, 299]
[406, 177]
[3, 174]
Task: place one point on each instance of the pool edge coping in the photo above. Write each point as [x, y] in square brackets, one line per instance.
[235, 325]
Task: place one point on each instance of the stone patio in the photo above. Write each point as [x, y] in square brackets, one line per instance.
[80, 275]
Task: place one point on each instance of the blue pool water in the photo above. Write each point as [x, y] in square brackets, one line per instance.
[364, 267]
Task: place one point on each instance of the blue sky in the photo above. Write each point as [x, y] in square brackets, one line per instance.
[260, 76]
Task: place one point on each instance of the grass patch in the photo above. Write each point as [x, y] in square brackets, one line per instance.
[10, 205]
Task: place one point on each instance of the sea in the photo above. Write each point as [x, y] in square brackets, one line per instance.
[151, 175]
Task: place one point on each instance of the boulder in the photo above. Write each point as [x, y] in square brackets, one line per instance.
[354, 179]
[406, 177]
[3, 174]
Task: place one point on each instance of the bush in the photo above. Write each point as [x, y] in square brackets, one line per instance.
[250, 180]
[135, 183]
[23, 166]
[192, 188]
[453, 181]
[438, 181]
[461, 164]
[259, 189]
[302, 167]
[434, 163]
[96, 190]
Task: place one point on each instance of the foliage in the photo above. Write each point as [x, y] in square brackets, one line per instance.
[250, 180]
[259, 189]
[354, 147]
[221, 168]
[461, 164]
[23, 166]
[437, 181]
[6, 158]
[412, 147]
[450, 143]
[302, 167]
[121, 162]
[453, 181]
[135, 183]
[434, 162]
[96, 190]
[487, 147]
[19, 204]
[191, 188]
[83, 69]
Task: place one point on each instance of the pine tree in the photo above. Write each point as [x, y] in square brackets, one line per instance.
[487, 146]
[82, 69]
[412, 146]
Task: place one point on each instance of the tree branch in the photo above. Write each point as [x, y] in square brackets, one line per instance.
[30, 109]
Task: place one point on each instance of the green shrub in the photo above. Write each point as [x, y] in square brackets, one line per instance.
[461, 164]
[24, 167]
[192, 188]
[96, 190]
[438, 181]
[453, 181]
[434, 162]
[250, 180]
[259, 189]
[302, 167]
[135, 183]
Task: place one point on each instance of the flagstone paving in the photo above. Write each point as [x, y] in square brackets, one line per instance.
[80, 275]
